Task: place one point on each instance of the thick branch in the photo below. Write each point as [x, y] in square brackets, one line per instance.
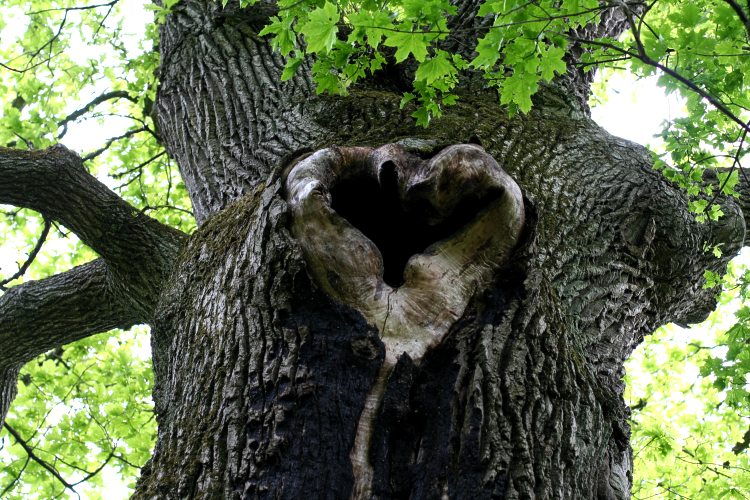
[40, 315]
[55, 183]
[117, 291]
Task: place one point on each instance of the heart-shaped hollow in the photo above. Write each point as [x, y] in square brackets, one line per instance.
[401, 228]
[460, 216]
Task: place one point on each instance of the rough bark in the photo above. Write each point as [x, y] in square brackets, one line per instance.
[54, 182]
[116, 291]
[264, 372]
[262, 377]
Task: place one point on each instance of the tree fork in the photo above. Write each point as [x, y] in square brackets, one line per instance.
[116, 291]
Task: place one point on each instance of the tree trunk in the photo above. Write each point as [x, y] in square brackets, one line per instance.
[270, 382]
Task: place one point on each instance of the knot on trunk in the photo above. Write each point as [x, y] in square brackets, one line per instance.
[405, 240]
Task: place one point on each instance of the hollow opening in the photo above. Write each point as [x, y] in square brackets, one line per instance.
[376, 210]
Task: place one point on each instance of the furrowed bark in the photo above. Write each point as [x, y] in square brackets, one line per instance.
[262, 375]
[742, 187]
[261, 380]
[138, 249]
[116, 291]
[40, 315]
[8, 382]
[225, 110]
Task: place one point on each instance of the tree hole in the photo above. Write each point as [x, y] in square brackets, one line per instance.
[377, 211]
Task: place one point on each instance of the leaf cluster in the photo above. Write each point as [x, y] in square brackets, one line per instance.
[691, 406]
[80, 409]
[523, 44]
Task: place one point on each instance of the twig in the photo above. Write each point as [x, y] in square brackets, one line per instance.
[101, 150]
[669, 71]
[740, 13]
[30, 452]
[167, 207]
[68, 9]
[15, 479]
[22, 270]
[140, 166]
[116, 94]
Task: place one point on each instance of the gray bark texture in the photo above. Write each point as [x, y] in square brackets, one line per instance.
[263, 377]
[110, 292]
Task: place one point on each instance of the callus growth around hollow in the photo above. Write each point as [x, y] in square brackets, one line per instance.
[462, 189]
[460, 193]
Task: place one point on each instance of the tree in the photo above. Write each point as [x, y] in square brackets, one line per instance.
[297, 350]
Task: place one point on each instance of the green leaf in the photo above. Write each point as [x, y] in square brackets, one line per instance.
[320, 30]
[712, 279]
[435, 68]
[406, 99]
[290, 68]
[495, 6]
[551, 62]
[406, 44]
[728, 181]
[518, 89]
[369, 26]
[691, 14]
[715, 213]
[284, 40]
[326, 79]
[488, 50]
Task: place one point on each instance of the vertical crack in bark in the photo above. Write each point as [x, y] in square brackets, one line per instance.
[388, 311]
[553, 412]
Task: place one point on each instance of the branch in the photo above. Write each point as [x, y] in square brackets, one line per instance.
[8, 387]
[32, 455]
[644, 58]
[15, 479]
[32, 255]
[80, 7]
[740, 13]
[107, 96]
[49, 43]
[41, 315]
[743, 445]
[112, 140]
[117, 291]
[55, 183]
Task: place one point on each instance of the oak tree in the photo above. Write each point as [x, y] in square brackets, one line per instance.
[418, 265]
